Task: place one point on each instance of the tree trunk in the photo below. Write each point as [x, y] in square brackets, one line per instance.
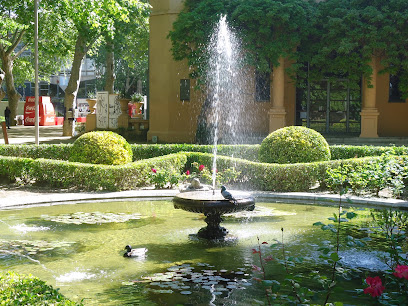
[73, 84]
[110, 69]
[12, 94]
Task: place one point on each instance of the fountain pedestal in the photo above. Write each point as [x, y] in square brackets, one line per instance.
[213, 206]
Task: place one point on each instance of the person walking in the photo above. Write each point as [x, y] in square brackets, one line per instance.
[7, 113]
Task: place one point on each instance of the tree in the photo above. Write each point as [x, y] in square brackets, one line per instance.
[91, 19]
[268, 29]
[125, 55]
[16, 36]
[338, 38]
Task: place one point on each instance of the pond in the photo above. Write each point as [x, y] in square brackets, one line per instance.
[79, 249]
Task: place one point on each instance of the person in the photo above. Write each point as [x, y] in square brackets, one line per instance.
[7, 113]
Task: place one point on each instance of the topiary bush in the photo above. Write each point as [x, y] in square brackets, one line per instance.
[294, 144]
[101, 147]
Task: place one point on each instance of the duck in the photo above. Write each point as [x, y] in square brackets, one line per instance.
[139, 252]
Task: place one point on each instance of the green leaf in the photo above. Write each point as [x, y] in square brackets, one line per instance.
[334, 256]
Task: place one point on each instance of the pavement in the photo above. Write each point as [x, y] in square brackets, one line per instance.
[12, 196]
[21, 134]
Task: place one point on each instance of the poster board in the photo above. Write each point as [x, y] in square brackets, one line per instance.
[102, 110]
[114, 111]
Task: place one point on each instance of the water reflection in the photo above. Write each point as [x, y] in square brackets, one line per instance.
[86, 259]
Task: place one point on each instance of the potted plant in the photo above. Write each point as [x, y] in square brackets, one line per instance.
[91, 99]
[137, 100]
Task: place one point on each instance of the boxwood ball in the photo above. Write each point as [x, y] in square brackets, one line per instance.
[101, 147]
[294, 144]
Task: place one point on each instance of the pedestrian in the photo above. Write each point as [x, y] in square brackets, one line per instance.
[7, 113]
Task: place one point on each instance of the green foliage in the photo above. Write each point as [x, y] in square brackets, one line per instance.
[27, 166]
[49, 151]
[294, 144]
[63, 174]
[16, 289]
[269, 29]
[101, 147]
[346, 152]
[344, 33]
[387, 171]
[142, 151]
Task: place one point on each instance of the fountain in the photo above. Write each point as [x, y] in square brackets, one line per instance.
[224, 82]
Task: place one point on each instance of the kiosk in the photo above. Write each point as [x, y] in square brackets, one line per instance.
[46, 111]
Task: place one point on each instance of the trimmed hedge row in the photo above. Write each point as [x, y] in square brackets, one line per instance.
[49, 151]
[277, 177]
[252, 175]
[346, 152]
[65, 174]
[145, 151]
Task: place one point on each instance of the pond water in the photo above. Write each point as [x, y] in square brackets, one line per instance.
[79, 249]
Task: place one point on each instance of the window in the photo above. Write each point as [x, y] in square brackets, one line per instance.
[394, 92]
[185, 90]
[262, 86]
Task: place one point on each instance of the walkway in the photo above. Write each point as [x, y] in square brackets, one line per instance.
[15, 197]
[22, 134]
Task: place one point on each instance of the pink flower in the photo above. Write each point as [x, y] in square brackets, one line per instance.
[201, 168]
[401, 272]
[375, 286]
[188, 172]
[268, 258]
[256, 268]
[154, 170]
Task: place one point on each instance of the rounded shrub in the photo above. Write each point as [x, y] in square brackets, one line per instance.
[101, 147]
[294, 144]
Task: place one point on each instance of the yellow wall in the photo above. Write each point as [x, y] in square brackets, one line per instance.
[393, 118]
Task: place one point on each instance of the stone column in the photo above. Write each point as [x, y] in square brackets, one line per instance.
[277, 114]
[369, 112]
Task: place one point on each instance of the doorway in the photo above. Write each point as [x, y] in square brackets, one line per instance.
[330, 107]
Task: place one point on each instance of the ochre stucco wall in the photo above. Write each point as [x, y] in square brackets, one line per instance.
[393, 118]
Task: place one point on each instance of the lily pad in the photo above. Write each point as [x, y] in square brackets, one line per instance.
[79, 218]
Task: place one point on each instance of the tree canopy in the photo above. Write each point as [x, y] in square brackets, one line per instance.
[335, 37]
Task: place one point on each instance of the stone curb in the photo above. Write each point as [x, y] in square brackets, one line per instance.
[18, 199]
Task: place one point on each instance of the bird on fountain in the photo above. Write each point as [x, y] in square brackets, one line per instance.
[227, 195]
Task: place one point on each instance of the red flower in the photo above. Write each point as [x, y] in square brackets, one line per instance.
[254, 251]
[375, 286]
[264, 242]
[188, 172]
[201, 168]
[154, 170]
[401, 272]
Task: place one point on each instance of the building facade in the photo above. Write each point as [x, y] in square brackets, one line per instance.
[329, 107]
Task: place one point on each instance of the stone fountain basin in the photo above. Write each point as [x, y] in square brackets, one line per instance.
[208, 203]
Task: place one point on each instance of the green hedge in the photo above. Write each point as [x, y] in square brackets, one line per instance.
[87, 176]
[253, 175]
[16, 289]
[276, 177]
[145, 151]
[49, 151]
[345, 152]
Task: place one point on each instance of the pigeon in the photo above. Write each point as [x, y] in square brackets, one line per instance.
[227, 195]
